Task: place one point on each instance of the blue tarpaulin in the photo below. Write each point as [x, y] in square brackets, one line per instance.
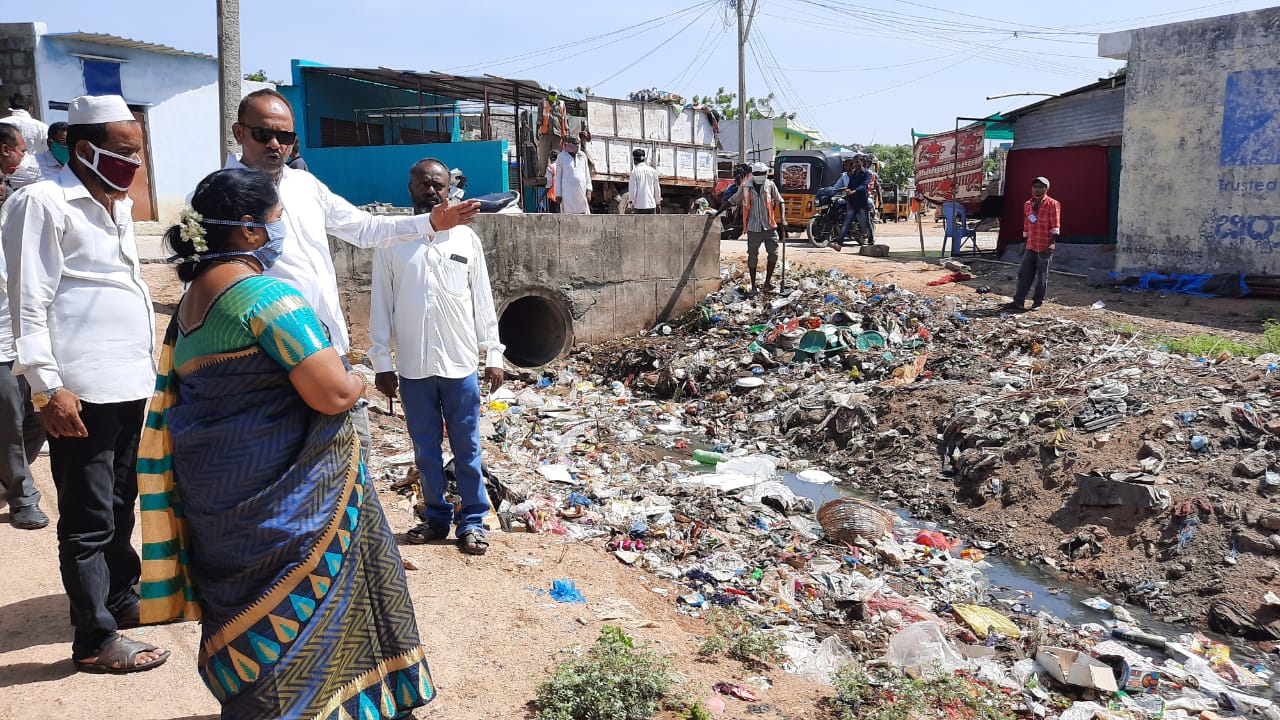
[1198, 285]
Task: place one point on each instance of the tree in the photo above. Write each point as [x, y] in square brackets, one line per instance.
[261, 76]
[898, 163]
[1121, 71]
[583, 90]
[726, 104]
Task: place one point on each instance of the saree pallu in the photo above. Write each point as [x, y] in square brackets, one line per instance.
[259, 518]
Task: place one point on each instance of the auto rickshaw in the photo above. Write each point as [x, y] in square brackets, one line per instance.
[895, 203]
[800, 174]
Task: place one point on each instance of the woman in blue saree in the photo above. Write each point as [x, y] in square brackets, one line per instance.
[257, 515]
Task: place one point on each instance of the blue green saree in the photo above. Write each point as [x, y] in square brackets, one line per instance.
[258, 519]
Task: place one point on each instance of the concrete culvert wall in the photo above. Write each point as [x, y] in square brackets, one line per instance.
[535, 328]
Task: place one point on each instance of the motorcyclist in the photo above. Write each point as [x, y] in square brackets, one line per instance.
[854, 185]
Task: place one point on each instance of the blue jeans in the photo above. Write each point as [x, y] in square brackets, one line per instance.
[864, 222]
[430, 406]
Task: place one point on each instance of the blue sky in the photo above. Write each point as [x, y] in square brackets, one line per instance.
[858, 71]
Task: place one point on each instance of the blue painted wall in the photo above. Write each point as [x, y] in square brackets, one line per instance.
[381, 174]
[338, 98]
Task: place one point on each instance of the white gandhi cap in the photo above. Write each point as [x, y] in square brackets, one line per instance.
[94, 109]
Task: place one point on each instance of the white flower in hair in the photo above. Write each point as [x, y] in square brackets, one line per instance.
[191, 229]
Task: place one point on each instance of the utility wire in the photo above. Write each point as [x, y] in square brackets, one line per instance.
[555, 49]
[657, 47]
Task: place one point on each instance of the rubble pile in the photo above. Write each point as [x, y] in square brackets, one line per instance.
[693, 451]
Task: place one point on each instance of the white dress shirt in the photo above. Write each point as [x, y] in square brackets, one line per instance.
[49, 165]
[36, 135]
[644, 190]
[312, 212]
[81, 313]
[7, 353]
[432, 302]
[573, 183]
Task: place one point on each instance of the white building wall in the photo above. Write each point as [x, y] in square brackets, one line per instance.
[181, 98]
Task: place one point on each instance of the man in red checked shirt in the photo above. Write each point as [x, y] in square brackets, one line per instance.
[1041, 226]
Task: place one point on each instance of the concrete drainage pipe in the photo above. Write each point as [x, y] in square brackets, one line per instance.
[536, 327]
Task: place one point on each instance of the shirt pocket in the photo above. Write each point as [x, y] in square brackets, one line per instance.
[454, 276]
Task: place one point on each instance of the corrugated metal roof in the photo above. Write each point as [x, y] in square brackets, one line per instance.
[503, 91]
[1093, 118]
[116, 41]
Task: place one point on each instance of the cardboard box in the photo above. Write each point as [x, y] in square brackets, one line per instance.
[1075, 668]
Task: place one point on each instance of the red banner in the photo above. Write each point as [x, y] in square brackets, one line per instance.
[949, 166]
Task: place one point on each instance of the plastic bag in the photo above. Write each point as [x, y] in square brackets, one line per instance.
[922, 645]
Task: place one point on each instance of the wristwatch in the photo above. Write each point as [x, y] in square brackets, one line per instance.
[40, 399]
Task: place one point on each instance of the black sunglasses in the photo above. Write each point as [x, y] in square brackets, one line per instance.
[264, 135]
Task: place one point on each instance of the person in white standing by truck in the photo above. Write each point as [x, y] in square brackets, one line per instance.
[644, 191]
[573, 179]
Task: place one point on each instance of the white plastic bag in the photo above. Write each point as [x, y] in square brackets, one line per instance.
[922, 645]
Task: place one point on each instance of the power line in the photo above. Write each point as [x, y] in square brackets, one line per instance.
[656, 48]
[555, 49]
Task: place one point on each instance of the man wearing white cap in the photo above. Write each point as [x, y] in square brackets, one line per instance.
[84, 332]
[573, 179]
[762, 211]
[312, 212]
[1041, 226]
[457, 185]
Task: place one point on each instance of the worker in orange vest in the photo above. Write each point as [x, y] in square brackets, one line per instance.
[552, 127]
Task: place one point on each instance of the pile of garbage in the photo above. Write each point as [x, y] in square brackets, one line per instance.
[681, 452]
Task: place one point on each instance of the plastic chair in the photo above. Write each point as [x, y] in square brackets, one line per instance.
[957, 229]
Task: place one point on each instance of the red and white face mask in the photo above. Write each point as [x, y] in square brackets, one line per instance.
[115, 170]
[10, 158]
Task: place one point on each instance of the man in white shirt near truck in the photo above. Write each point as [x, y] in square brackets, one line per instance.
[433, 303]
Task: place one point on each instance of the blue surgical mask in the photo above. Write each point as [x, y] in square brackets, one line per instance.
[268, 254]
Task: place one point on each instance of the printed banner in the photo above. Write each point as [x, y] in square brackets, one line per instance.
[795, 176]
[949, 166]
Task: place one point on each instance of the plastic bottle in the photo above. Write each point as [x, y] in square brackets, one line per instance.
[709, 457]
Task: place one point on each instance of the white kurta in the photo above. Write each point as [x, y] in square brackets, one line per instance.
[573, 183]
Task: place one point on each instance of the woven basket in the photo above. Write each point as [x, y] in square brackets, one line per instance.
[847, 519]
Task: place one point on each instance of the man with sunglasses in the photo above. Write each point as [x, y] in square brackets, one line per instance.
[312, 212]
[84, 332]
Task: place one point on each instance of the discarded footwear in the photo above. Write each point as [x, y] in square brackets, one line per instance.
[473, 542]
[426, 532]
[120, 656]
[30, 517]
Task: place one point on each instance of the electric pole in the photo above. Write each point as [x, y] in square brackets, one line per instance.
[228, 74]
[742, 83]
[744, 31]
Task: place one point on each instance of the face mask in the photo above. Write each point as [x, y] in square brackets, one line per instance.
[8, 155]
[60, 152]
[759, 179]
[268, 254]
[116, 171]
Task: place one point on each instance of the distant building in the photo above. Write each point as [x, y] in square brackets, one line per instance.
[1201, 158]
[173, 93]
[766, 137]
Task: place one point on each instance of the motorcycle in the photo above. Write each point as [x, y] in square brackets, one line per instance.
[824, 226]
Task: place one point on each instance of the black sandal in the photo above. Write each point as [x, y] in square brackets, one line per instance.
[473, 542]
[117, 657]
[425, 533]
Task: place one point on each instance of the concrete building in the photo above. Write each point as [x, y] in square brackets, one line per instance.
[766, 137]
[1201, 157]
[173, 93]
[1074, 139]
